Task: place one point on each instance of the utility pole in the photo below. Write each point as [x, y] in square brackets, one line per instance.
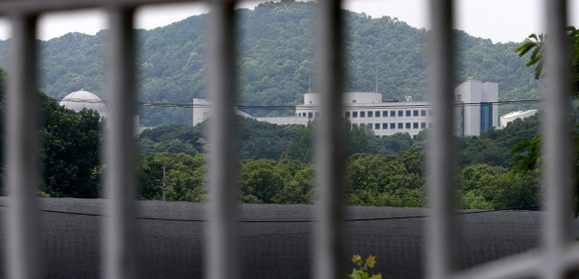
[164, 180]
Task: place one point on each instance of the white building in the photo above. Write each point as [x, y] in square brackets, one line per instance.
[511, 116]
[477, 111]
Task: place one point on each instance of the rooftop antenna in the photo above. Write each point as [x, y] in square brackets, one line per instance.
[376, 79]
[310, 81]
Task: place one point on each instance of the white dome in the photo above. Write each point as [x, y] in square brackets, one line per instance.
[79, 100]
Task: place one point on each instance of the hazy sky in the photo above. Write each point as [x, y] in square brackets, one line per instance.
[498, 20]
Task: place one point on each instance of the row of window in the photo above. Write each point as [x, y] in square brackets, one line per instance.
[386, 113]
[384, 126]
[377, 113]
[308, 115]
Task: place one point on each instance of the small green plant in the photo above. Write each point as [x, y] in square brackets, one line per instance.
[362, 273]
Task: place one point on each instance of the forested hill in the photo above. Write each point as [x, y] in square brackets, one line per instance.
[276, 61]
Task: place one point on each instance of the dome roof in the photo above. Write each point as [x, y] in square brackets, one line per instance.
[81, 99]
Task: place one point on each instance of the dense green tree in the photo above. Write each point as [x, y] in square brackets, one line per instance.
[298, 188]
[187, 175]
[394, 144]
[70, 151]
[377, 180]
[493, 146]
[261, 181]
[489, 187]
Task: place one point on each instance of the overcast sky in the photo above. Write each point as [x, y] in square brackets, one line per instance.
[498, 20]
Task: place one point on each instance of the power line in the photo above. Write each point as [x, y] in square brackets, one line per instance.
[386, 105]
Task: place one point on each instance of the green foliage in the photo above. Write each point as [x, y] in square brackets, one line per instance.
[377, 180]
[187, 173]
[70, 151]
[536, 56]
[525, 162]
[536, 46]
[493, 146]
[362, 272]
[489, 187]
[258, 139]
[261, 180]
[299, 148]
[394, 144]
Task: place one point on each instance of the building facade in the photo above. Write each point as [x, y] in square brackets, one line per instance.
[476, 111]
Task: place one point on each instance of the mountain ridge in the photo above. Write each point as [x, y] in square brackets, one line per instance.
[276, 61]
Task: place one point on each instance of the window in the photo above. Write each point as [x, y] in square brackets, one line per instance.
[384, 125]
[384, 113]
[354, 114]
[377, 113]
[423, 113]
[400, 113]
[407, 125]
[370, 114]
[362, 114]
[392, 126]
[408, 113]
[486, 116]
[423, 125]
[415, 125]
[362, 125]
[377, 126]
[317, 114]
[415, 113]
[354, 125]
[400, 126]
[310, 115]
[458, 98]
[348, 114]
[393, 113]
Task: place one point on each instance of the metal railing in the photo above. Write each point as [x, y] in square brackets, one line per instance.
[552, 260]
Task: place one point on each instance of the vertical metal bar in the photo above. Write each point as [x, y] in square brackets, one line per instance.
[120, 184]
[22, 152]
[328, 255]
[557, 132]
[441, 248]
[223, 251]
